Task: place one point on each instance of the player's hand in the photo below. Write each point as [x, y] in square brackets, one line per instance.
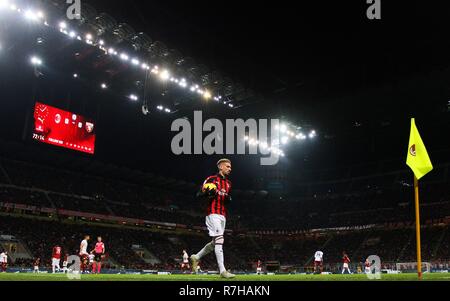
[211, 192]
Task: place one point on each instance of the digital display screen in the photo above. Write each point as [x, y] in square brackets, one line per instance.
[64, 129]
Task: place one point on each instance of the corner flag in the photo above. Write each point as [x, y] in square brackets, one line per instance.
[418, 159]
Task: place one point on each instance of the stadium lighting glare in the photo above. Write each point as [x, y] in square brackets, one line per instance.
[283, 128]
[160, 108]
[133, 97]
[167, 110]
[75, 75]
[30, 15]
[63, 26]
[183, 83]
[285, 140]
[35, 61]
[104, 86]
[164, 75]
[3, 4]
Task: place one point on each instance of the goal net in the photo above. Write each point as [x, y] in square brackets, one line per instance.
[411, 267]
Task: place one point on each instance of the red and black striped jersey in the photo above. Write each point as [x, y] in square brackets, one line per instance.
[216, 203]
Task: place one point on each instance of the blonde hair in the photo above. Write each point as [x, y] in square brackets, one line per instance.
[223, 161]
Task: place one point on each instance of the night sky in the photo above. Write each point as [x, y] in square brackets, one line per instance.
[324, 65]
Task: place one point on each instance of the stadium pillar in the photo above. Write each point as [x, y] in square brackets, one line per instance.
[419, 255]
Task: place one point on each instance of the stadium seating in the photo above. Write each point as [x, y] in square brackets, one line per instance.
[364, 215]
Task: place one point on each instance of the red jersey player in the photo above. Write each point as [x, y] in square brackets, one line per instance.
[98, 252]
[56, 258]
[346, 261]
[36, 264]
[216, 215]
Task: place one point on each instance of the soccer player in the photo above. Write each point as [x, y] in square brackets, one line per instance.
[98, 252]
[258, 267]
[185, 264]
[36, 263]
[84, 255]
[346, 261]
[66, 257]
[3, 261]
[318, 261]
[367, 266]
[216, 215]
[56, 258]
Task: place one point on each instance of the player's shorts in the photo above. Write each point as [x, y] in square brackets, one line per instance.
[318, 263]
[367, 269]
[216, 224]
[36, 268]
[98, 257]
[55, 261]
[345, 265]
[65, 264]
[258, 270]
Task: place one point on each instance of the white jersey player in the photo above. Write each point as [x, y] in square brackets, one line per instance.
[185, 264]
[3, 261]
[367, 266]
[84, 255]
[318, 261]
[65, 263]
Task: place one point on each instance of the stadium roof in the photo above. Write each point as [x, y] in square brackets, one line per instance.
[356, 81]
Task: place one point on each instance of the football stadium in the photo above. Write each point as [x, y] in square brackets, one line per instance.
[176, 141]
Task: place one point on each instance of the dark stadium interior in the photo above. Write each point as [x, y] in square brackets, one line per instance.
[356, 83]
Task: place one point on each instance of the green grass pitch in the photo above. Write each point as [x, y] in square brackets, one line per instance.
[125, 277]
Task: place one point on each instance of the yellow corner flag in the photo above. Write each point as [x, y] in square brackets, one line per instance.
[418, 159]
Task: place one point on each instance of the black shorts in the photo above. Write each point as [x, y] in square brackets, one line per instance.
[98, 257]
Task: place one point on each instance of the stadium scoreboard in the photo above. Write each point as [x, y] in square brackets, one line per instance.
[63, 129]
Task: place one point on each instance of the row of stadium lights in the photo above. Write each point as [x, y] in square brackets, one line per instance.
[163, 75]
[286, 136]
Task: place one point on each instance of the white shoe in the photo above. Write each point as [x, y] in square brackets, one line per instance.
[194, 263]
[227, 275]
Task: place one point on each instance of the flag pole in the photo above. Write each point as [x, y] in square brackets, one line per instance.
[419, 256]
